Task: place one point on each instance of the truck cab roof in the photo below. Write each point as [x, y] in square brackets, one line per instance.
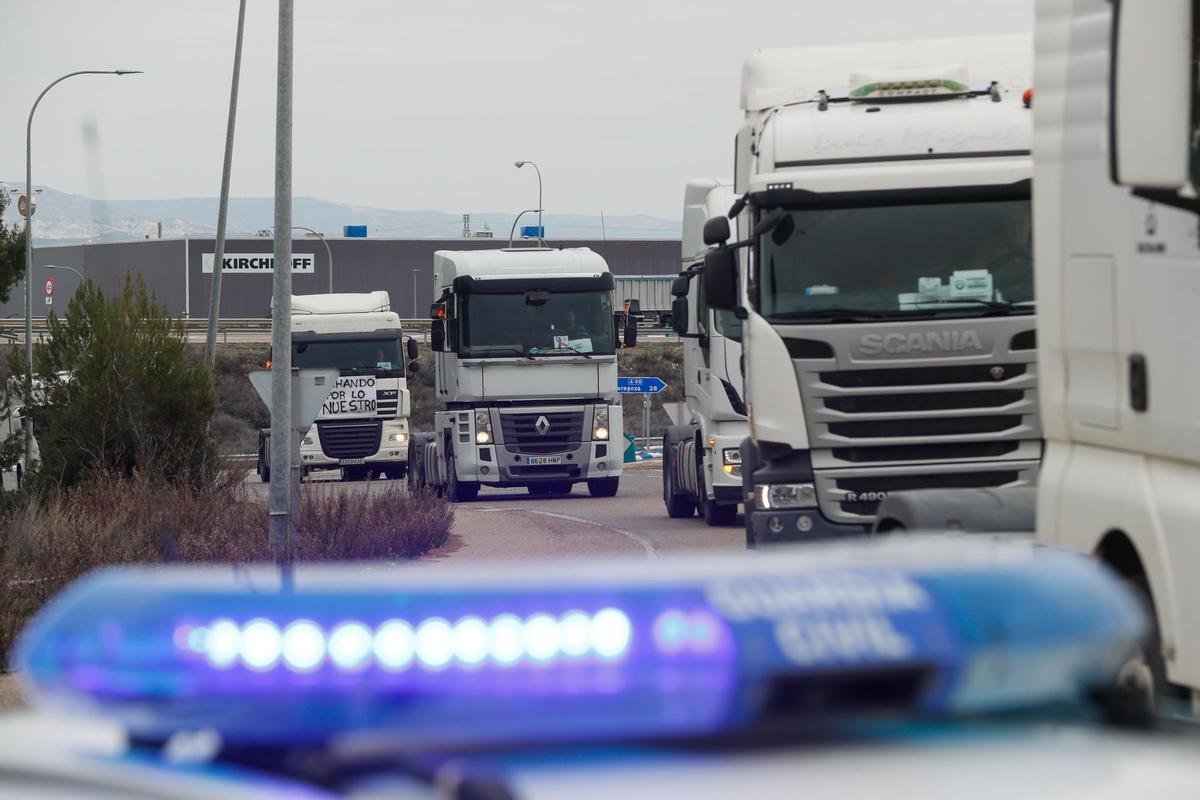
[517, 263]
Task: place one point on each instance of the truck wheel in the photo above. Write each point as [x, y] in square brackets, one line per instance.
[714, 515]
[679, 506]
[458, 491]
[603, 487]
[264, 461]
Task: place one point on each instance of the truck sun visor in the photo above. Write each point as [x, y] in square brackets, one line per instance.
[466, 284]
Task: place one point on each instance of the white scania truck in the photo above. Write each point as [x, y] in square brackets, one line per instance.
[884, 277]
[702, 470]
[526, 374]
[363, 425]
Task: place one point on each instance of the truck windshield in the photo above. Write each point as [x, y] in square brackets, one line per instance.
[930, 259]
[382, 357]
[527, 323]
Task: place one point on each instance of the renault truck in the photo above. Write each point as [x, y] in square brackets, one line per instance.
[362, 427]
[702, 470]
[526, 375]
[883, 277]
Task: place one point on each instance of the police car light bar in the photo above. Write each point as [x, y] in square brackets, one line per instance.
[596, 651]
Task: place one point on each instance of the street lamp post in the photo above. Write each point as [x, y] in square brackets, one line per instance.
[29, 245]
[520, 164]
[328, 252]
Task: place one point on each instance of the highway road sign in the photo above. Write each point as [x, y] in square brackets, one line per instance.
[640, 385]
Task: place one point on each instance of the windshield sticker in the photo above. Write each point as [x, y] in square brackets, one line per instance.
[820, 289]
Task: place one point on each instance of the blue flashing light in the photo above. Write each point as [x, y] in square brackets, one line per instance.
[586, 651]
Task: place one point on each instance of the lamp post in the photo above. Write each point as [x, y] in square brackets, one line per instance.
[328, 252]
[72, 269]
[520, 164]
[29, 245]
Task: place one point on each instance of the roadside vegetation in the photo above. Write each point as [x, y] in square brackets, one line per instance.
[131, 427]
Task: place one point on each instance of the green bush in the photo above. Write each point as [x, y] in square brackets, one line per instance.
[120, 394]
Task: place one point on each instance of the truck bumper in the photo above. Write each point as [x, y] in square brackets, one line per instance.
[388, 451]
[496, 465]
[781, 525]
[775, 526]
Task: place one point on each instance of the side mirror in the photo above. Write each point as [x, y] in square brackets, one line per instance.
[680, 286]
[412, 349]
[437, 336]
[679, 316]
[721, 279]
[716, 231]
[1151, 91]
[630, 332]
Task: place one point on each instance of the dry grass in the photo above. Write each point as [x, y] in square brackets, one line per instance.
[108, 520]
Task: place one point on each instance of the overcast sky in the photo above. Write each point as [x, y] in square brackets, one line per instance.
[410, 105]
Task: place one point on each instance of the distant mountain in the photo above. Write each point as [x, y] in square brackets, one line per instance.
[64, 218]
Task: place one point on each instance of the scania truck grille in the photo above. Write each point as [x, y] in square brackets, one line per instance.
[350, 438]
[916, 417]
[561, 431]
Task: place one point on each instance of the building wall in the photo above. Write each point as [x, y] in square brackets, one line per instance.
[172, 268]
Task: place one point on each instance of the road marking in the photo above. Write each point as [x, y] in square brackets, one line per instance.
[646, 544]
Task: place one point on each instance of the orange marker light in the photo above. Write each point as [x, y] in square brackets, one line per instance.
[1027, 97]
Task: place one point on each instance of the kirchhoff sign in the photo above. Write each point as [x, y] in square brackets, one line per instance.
[302, 263]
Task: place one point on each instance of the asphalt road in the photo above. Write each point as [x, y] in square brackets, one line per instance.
[510, 524]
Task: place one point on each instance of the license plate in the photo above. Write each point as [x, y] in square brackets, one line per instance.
[535, 460]
[350, 462]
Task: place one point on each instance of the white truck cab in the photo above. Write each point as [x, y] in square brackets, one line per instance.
[363, 425]
[526, 374]
[886, 279]
[1117, 261]
[702, 468]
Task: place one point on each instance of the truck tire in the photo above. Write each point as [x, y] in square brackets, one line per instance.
[458, 491]
[603, 487]
[264, 460]
[679, 505]
[715, 515]
[416, 461]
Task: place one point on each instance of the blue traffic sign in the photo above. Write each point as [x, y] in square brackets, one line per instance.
[640, 385]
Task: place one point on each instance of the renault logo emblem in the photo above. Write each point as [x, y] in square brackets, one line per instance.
[997, 373]
[542, 425]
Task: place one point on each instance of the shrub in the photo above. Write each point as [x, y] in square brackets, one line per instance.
[120, 393]
[109, 519]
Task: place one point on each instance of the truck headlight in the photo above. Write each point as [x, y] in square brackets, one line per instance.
[483, 427]
[731, 461]
[785, 495]
[600, 423]
[398, 437]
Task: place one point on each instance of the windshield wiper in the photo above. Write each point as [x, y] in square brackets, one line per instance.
[516, 350]
[998, 305]
[832, 315]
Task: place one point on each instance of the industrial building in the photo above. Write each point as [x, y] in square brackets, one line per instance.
[179, 271]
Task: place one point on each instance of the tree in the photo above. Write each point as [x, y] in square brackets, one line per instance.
[114, 390]
[12, 251]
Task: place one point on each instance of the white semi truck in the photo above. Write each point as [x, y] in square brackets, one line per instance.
[884, 277]
[1118, 265]
[702, 470]
[363, 425]
[526, 374]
